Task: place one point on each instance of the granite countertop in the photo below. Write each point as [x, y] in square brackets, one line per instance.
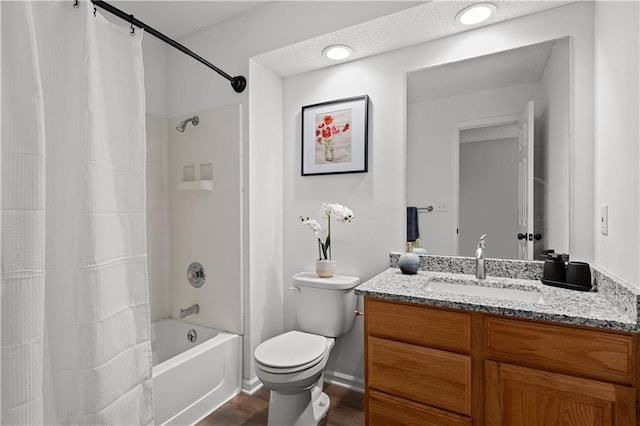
[560, 305]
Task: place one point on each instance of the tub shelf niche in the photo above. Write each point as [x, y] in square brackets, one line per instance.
[192, 181]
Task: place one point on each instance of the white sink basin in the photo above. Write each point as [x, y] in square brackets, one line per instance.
[490, 292]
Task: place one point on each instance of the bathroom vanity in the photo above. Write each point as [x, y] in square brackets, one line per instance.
[537, 356]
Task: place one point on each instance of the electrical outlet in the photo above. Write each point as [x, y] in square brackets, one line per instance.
[604, 219]
[442, 206]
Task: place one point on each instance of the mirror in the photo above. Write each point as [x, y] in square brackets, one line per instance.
[488, 153]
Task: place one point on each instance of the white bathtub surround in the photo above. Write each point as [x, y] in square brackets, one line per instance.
[158, 228]
[192, 379]
[75, 305]
[206, 225]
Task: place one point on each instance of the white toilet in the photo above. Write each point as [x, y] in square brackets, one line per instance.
[292, 364]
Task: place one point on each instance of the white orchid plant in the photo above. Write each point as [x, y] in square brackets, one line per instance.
[329, 211]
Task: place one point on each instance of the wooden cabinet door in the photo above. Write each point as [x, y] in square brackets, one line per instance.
[519, 396]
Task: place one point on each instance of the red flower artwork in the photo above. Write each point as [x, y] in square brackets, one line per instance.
[327, 131]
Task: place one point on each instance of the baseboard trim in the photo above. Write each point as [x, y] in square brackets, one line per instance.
[350, 382]
[251, 386]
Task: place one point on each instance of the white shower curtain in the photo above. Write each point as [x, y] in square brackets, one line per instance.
[74, 304]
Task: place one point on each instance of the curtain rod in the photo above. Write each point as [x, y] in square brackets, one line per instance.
[238, 83]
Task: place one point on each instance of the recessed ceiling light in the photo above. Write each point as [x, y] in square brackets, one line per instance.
[337, 52]
[476, 13]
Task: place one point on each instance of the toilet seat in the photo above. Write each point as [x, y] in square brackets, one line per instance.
[290, 352]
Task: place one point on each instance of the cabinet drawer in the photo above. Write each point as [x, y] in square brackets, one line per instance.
[587, 353]
[429, 376]
[436, 328]
[386, 410]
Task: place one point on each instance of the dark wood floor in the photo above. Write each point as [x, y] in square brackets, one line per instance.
[244, 410]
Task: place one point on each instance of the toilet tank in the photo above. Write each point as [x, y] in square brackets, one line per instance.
[325, 306]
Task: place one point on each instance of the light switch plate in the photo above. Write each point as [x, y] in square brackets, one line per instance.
[604, 219]
[442, 206]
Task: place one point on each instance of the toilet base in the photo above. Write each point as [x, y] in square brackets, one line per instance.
[306, 408]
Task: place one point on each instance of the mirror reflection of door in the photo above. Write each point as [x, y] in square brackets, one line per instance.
[488, 170]
[496, 171]
[525, 183]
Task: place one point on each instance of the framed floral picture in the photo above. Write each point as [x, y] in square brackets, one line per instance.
[334, 137]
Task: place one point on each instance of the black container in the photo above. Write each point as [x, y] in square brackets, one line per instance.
[554, 268]
[579, 273]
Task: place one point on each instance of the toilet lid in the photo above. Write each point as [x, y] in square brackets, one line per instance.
[291, 349]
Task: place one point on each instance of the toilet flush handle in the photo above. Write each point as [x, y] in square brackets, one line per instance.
[294, 288]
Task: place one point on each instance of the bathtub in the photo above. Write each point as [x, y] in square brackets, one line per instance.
[192, 379]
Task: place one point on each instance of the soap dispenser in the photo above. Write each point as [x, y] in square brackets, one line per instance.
[554, 268]
[409, 262]
[418, 249]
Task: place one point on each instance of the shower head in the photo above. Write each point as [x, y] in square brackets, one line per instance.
[183, 124]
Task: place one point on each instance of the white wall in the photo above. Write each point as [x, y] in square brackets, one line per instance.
[193, 87]
[429, 155]
[188, 88]
[362, 247]
[378, 197]
[553, 154]
[158, 216]
[205, 226]
[617, 54]
[264, 310]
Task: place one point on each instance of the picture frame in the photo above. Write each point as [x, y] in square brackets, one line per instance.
[335, 137]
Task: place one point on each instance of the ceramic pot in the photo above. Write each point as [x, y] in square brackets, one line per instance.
[325, 268]
[409, 263]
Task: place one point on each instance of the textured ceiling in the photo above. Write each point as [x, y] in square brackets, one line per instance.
[411, 26]
[180, 18]
[504, 69]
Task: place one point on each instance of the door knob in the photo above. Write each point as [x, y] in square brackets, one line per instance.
[522, 236]
[538, 237]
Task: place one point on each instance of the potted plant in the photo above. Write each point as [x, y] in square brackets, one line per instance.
[325, 265]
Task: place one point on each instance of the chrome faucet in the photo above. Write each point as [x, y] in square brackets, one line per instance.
[481, 272]
[193, 309]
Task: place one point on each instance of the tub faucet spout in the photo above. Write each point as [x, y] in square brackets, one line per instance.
[193, 309]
